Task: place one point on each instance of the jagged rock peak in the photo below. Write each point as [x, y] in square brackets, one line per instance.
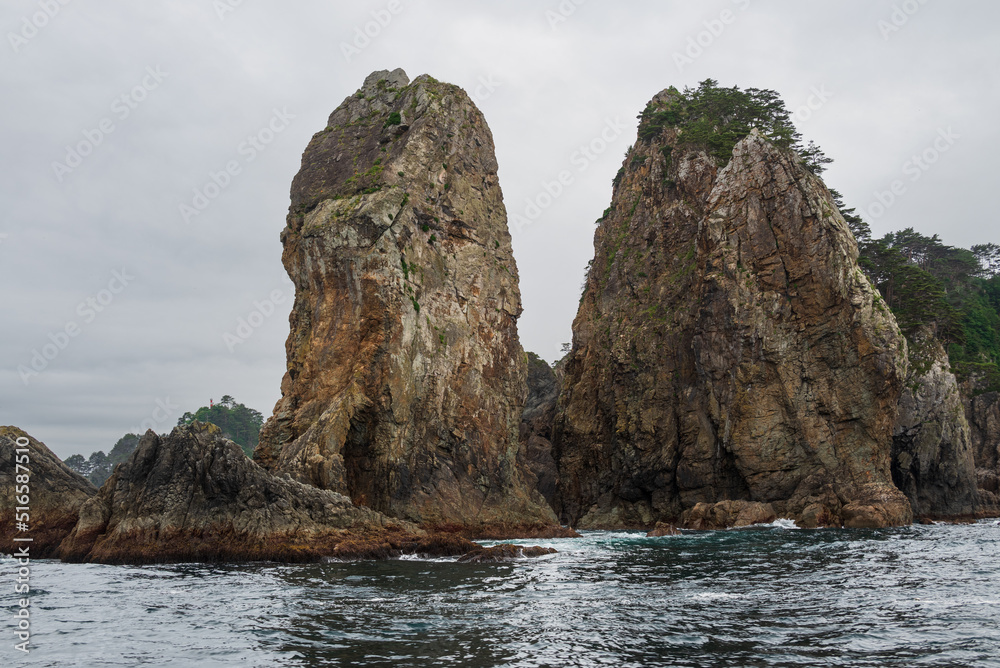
[727, 346]
[405, 378]
[195, 496]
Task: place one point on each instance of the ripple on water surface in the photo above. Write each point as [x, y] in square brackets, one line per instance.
[771, 596]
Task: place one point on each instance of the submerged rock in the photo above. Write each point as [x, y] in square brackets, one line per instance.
[405, 379]
[194, 496]
[727, 348]
[502, 553]
[932, 456]
[392, 545]
[54, 494]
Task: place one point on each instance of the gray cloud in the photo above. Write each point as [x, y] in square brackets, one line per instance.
[548, 87]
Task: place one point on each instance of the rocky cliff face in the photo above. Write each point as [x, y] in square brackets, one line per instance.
[55, 493]
[194, 496]
[983, 412]
[405, 378]
[536, 427]
[727, 347]
[932, 456]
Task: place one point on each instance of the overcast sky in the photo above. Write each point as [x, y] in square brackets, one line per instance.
[118, 303]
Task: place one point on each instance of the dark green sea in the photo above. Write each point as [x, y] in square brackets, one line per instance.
[768, 596]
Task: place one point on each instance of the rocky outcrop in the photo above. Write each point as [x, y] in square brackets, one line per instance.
[54, 494]
[983, 412]
[932, 456]
[536, 427]
[503, 553]
[194, 496]
[663, 529]
[727, 348]
[405, 379]
[728, 514]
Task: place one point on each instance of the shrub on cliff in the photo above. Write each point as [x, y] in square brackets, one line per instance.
[951, 291]
[717, 118]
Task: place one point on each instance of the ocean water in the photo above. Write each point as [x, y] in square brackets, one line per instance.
[768, 596]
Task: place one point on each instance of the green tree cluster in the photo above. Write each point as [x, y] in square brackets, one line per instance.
[716, 118]
[99, 466]
[953, 292]
[238, 423]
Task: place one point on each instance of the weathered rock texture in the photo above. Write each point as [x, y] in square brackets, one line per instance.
[536, 427]
[983, 412]
[405, 379]
[726, 514]
[194, 496]
[932, 456]
[55, 494]
[727, 347]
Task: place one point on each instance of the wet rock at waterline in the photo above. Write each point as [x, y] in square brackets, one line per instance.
[195, 496]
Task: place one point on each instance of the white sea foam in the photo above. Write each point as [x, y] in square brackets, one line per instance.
[417, 557]
[715, 596]
[783, 523]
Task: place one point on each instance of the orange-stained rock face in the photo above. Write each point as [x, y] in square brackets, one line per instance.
[727, 347]
[405, 378]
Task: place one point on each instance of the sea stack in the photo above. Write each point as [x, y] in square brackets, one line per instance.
[406, 379]
[727, 348]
